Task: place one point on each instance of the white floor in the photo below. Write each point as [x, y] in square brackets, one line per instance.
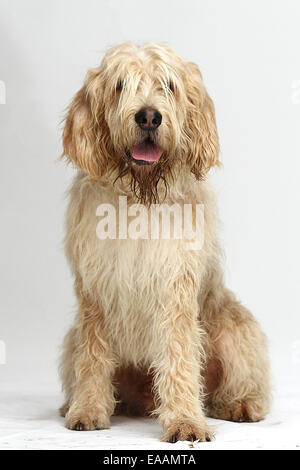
[29, 420]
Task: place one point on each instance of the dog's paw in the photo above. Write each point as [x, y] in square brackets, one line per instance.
[244, 411]
[188, 431]
[86, 420]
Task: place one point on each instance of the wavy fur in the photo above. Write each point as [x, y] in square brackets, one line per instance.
[156, 330]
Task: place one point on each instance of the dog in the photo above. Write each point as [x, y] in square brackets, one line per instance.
[157, 332]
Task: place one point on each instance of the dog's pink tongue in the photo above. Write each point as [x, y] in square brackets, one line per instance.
[147, 151]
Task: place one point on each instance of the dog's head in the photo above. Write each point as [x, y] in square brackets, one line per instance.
[144, 113]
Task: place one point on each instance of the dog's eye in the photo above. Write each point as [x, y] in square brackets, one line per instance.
[120, 85]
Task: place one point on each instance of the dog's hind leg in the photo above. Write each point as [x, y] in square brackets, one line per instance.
[238, 350]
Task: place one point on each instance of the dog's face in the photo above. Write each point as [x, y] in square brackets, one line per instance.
[145, 113]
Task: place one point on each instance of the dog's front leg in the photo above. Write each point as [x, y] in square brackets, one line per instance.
[177, 379]
[91, 394]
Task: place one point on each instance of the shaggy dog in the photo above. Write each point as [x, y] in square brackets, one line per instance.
[157, 332]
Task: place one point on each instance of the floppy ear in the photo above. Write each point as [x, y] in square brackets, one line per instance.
[86, 134]
[201, 126]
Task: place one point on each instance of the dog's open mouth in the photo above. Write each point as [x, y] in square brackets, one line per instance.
[146, 152]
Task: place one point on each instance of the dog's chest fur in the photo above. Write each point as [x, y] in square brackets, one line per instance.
[130, 279]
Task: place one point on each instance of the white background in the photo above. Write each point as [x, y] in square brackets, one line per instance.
[248, 52]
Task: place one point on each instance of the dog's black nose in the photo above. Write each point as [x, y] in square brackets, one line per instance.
[148, 119]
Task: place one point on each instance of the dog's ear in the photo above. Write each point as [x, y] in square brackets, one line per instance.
[201, 129]
[86, 134]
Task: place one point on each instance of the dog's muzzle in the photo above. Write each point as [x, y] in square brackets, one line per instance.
[147, 151]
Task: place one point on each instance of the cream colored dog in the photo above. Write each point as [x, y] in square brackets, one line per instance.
[156, 330]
